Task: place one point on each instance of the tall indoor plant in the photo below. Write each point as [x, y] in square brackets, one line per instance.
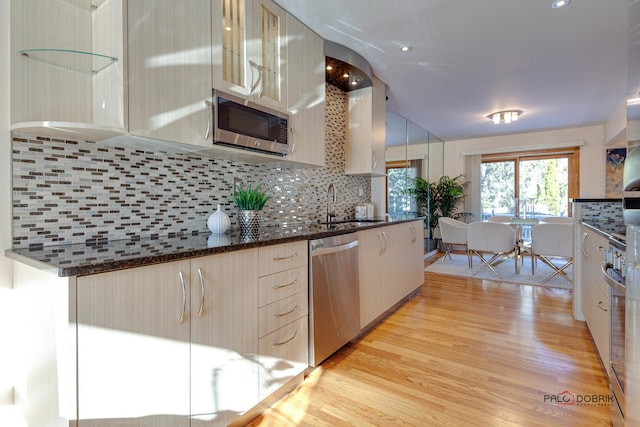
[444, 197]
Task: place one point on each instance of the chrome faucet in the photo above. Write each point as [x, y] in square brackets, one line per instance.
[331, 197]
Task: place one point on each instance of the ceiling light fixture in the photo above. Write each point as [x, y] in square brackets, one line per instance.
[329, 68]
[406, 48]
[507, 116]
[559, 4]
[633, 101]
[345, 75]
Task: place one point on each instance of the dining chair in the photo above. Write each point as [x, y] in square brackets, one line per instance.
[493, 238]
[453, 232]
[552, 241]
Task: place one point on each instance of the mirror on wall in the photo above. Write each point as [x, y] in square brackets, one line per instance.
[411, 152]
[633, 74]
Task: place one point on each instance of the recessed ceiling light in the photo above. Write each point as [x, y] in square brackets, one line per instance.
[345, 75]
[329, 68]
[406, 48]
[227, 28]
[559, 4]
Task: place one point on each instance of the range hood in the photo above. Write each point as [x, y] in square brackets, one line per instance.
[345, 62]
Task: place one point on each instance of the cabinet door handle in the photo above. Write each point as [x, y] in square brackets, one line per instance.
[209, 106]
[282, 258]
[255, 85]
[184, 296]
[381, 250]
[414, 234]
[384, 249]
[584, 237]
[202, 291]
[295, 307]
[600, 306]
[374, 160]
[295, 334]
[286, 285]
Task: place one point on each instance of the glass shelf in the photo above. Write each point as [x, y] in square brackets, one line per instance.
[75, 60]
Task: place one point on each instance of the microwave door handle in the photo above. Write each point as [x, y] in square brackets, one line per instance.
[209, 105]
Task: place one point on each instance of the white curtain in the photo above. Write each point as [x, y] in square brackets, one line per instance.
[472, 175]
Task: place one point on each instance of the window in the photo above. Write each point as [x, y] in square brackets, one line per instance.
[399, 176]
[531, 184]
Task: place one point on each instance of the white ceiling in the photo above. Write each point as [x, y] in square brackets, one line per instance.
[563, 68]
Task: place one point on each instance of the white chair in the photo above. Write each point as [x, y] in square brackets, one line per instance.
[556, 220]
[552, 241]
[453, 232]
[494, 238]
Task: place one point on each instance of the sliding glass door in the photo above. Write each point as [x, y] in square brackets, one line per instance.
[529, 185]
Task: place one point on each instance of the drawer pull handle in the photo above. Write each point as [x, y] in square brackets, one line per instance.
[601, 307]
[286, 285]
[282, 258]
[295, 334]
[295, 307]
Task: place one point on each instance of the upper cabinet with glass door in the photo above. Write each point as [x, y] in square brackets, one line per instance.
[68, 68]
[249, 58]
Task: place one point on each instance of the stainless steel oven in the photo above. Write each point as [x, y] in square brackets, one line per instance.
[613, 271]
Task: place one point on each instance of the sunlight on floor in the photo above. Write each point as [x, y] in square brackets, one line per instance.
[293, 407]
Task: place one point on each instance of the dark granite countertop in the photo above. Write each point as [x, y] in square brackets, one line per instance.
[595, 200]
[609, 229]
[82, 259]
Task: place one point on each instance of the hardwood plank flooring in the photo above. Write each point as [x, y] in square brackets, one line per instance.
[462, 352]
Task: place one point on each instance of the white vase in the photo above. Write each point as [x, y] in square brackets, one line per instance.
[218, 221]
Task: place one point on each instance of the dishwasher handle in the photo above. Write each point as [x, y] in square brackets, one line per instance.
[333, 249]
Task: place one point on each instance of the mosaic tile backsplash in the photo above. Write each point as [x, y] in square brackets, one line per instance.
[67, 191]
[602, 211]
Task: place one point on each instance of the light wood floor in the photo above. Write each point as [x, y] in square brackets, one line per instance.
[463, 352]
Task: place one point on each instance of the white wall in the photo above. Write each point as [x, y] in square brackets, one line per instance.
[592, 153]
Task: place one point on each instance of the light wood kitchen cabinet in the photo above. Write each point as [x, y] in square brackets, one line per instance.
[595, 292]
[283, 314]
[249, 58]
[133, 346]
[306, 93]
[69, 68]
[389, 260]
[366, 130]
[374, 266]
[411, 254]
[177, 338]
[170, 70]
[224, 332]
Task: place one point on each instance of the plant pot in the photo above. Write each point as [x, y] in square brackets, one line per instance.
[249, 223]
[430, 244]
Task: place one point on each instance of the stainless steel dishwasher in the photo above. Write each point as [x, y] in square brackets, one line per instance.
[334, 295]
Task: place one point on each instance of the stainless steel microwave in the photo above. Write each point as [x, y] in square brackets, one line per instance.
[244, 124]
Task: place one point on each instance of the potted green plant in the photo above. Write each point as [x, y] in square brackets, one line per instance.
[250, 201]
[437, 199]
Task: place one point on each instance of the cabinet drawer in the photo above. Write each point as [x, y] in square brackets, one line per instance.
[283, 312]
[281, 285]
[283, 355]
[282, 257]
